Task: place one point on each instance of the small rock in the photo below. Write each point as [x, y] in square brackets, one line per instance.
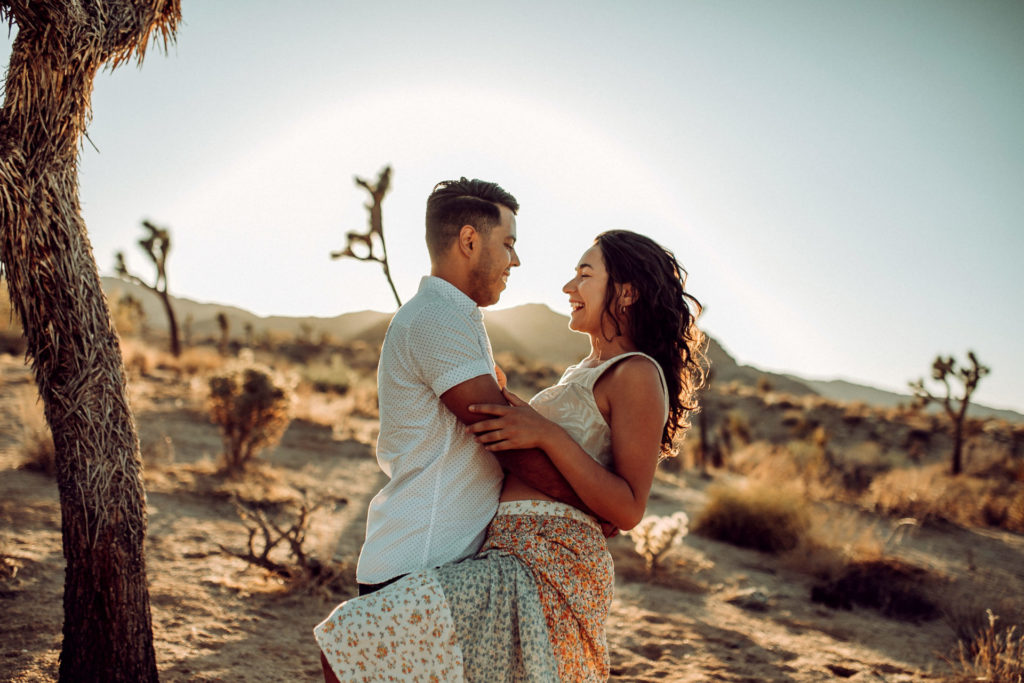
[751, 599]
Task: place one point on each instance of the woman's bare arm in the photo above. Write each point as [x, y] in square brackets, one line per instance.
[636, 407]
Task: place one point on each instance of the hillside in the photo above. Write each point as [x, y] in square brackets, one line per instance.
[531, 331]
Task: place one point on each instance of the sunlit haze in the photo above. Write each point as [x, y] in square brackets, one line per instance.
[844, 181]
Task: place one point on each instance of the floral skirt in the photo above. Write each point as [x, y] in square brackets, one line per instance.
[531, 605]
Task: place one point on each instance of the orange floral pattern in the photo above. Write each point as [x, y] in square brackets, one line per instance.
[406, 630]
[531, 605]
[569, 558]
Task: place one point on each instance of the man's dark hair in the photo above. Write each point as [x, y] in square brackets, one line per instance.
[454, 203]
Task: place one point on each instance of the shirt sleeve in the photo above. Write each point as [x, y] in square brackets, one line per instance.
[446, 350]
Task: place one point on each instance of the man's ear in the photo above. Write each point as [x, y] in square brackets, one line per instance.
[469, 240]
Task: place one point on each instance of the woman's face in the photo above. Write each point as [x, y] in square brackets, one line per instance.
[587, 292]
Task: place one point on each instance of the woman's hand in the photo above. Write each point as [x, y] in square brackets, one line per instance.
[513, 426]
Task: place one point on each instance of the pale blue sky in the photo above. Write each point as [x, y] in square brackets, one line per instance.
[843, 180]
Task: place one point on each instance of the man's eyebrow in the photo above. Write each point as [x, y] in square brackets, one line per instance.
[584, 265]
[511, 237]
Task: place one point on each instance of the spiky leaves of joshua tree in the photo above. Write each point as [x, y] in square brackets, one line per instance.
[156, 244]
[365, 244]
[943, 369]
[55, 289]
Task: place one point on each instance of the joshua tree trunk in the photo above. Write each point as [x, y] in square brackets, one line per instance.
[55, 288]
[957, 465]
[172, 324]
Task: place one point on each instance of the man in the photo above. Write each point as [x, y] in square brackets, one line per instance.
[435, 362]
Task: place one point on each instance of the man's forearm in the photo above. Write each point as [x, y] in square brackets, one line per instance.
[531, 465]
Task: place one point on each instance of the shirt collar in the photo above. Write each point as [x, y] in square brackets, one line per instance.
[449, 292]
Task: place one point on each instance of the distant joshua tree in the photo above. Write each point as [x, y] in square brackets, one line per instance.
[156, 244]
[59, 46]
[366, 240]
[956, 408]
[225, 333]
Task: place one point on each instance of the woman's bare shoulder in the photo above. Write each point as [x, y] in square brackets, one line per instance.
[634, 378]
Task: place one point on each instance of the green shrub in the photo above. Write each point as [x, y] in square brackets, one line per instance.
[252, 409]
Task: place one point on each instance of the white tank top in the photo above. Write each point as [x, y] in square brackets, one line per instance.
[572, 405]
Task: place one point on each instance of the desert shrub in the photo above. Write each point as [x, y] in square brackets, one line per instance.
[157, 452]
[139, 358]
[837, 537]
[252, 407]
[364, 400]
[931, 494]
[37, 450]
[762, 516]
[737, 428]
[287, 528]
[654, 536]
[892, 586]
[195, 360]
[993, 654]
[330, 376]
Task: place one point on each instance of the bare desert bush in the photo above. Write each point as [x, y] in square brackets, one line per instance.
[654, 536]
[286, 528]
[252, 406]
[766, 517]
[993, 654]
[37, 450]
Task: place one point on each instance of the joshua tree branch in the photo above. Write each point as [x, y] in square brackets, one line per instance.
[375, 228]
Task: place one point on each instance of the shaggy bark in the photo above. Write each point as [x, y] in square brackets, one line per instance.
[55, 289]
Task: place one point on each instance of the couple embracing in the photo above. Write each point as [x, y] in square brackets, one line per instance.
[485, 556]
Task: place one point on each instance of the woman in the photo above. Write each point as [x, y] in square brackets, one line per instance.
[533, 602]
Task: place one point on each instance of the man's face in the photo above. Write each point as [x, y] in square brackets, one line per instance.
[494, 260]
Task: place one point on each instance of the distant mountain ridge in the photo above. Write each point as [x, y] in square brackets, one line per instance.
[531, 331]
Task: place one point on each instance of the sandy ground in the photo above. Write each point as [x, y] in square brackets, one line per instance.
[713, 612]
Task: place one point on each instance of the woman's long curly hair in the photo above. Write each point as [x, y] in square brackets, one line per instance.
[661, 320]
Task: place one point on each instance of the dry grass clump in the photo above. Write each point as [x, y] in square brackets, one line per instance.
[141, 359]
[836, 537]
[252, 405]
[37, 450]
[330, 375]
[194, 360]
[758, 515]
[895, 588]
[993, 654]
[930, 493]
